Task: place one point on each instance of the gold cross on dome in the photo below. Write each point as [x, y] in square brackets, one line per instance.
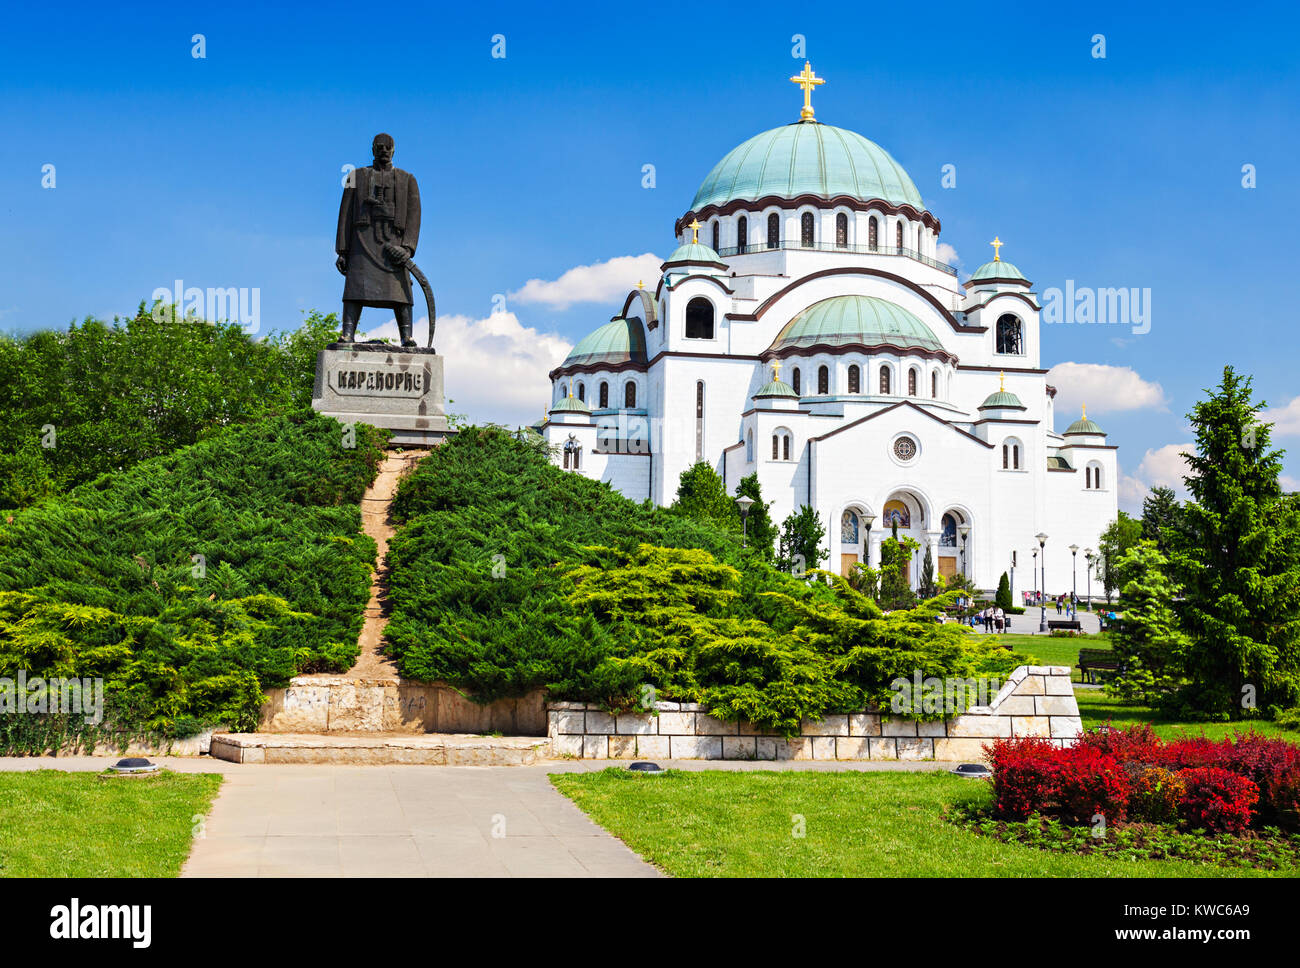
[695, 231]
[640, 284]
[807, 80]
[776, 369]
[997, 244]
[1002, 381]
[1085, 411]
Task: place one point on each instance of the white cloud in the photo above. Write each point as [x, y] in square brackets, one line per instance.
[946, 253]
[495, 368]
[1286, 419]
[598, 282]
[1161, 467]
[1105, 389]
[1289, 484]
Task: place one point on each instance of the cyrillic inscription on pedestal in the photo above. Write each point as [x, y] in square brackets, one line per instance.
[386, 386]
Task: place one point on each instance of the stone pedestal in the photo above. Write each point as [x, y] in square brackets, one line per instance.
[398, 389]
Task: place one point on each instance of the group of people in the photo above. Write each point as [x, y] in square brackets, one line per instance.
[1067, 605]
[993, 618]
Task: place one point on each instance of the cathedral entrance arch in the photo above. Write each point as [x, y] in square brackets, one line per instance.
[952, 547]
[907, 511]
[854, 537]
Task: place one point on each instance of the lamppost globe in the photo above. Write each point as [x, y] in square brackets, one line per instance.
[745, 504]
[1042, 615]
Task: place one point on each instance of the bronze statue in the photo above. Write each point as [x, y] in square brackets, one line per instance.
[379, 226]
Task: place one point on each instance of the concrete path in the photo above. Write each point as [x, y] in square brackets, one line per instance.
[410, 821]
[1027, 624]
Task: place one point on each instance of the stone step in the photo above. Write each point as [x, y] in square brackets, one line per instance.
[377, 749]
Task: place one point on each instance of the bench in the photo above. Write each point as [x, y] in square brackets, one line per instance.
[1064, 625]
[1092, 661]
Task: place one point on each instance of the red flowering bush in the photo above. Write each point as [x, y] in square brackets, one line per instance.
[1216, 799]
[1219, 786]
[1024, 775]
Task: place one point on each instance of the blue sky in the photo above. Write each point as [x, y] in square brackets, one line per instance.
[224, 171]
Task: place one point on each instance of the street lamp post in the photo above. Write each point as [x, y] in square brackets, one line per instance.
[745, 504]
[1042, 615]
[1074, 579]
[1089, 557]
[1036, 595]
[868, 520]
[964, 530]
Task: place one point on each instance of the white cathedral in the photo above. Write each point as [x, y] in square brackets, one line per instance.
[805, 330]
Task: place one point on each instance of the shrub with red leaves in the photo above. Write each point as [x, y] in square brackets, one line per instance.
[1137, 743]
[1079, 781]
[1024, 775]
[1217, 800]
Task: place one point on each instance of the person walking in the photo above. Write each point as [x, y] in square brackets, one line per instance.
[1058, 604]
[999, 619]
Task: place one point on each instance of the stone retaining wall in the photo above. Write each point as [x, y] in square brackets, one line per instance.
[1034, 701]
[331, 704]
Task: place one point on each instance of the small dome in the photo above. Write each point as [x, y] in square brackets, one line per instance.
[998, 269]
[865, 320]
[807, 158]
[1002, 400]
[695, 253]
[777, 389]
[618, 341]
[571, 404]
[1085, 426]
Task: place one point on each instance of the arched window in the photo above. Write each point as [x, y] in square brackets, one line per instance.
[873, 234]
[781, 443]
[823, 380]
[1092, 477]
[885, 388]
[1011, 454]
[776, 446]
[629, 395]
[1015, 457]
[582, 392]
[699, 319]
[934, 384]
[806, 237]
[604, 395]
[577, 459]
[1087, 477]
[1006, 461]
[742, 233]
[773, 230]
[1009, 339]
[749, 446]
[794, 380]
[920, 234]
[715, 235]
[898, 234]
[855, 379]
[841, 230]
[563, 391]
[785, 447]
[699, 420]
[911, 382]
[948, 532]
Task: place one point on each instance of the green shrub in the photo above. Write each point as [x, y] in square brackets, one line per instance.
[510, 575]
[192, 581]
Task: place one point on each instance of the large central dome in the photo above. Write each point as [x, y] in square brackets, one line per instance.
[807, 158]
[856, 320]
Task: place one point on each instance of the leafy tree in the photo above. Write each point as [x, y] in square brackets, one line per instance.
[703, 497]
[759, 526]
[1122, 534]
[1149, 643]
[801, 541]
[1003, 597]
[1160, 514]
[1237, 554]
[895, 571]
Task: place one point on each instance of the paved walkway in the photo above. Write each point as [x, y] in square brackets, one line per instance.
[409, 821]
[1027, 624]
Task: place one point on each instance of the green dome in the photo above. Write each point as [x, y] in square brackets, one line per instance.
[844, 320]
[1084, 426]
[777, 389]
[998, 269]
[695, 252]
[1003, 400]
[571, 403]
[618, 341]
[807, 158]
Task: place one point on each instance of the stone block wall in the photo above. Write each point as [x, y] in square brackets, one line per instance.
[336, 704]
[1034, 701]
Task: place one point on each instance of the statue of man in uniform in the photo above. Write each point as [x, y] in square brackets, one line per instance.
[379, 225]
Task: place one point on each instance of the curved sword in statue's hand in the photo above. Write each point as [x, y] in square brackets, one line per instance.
[428, 297]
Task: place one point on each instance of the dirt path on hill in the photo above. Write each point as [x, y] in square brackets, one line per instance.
[375, 503]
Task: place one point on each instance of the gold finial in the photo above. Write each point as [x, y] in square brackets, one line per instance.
[776, 369]
[695, 231]
[1002, 381]
[640, 284]
[1085, 411]
[997, 244]
[807, 80]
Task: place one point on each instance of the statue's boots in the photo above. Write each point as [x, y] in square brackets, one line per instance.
[404, 327]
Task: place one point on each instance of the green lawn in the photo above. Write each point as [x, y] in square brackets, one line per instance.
[742, 824]
[55, 824]
[1097, 708]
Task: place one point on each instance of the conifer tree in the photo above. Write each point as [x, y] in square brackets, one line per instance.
[1238, 555]
[1003, 597]
[1149, 643]
[760, 528]
[702, 496]
[801, 541]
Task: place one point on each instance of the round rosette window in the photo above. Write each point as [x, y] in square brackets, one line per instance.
[905, 447]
